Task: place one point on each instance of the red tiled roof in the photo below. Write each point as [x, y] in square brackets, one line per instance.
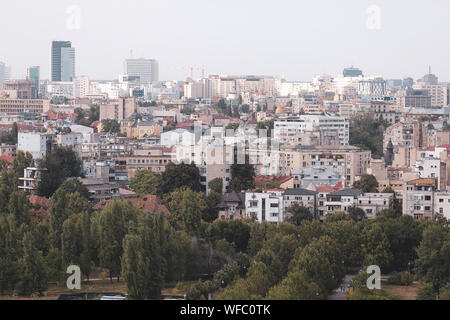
[262, 180]
[325, 189]
[185, 124]
[42, 201]
[95, 124]
[8, 159]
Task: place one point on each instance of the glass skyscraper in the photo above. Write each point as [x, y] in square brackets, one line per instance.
[33, 75]
[62, 61]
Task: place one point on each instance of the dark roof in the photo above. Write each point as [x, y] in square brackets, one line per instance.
[232, 197]
[346, 193]
[299, 191]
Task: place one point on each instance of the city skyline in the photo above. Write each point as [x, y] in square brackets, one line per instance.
[248, 40]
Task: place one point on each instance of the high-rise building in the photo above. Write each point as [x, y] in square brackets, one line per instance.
[33, 75]
[146, 69]
[352, 72]
[62, 61]
[81, 86]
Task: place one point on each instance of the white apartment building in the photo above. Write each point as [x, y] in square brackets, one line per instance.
[81, 87]
[432, 168]
[178, 137]
[290, 129]
[64, 88]
[342, 200]
[442, 203]
[73, 140]
[37, 144]
[418, 198]
[266, 206]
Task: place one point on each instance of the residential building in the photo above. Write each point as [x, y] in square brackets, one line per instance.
[30, 180]
[289, 130]
[81, 87]
[118, 109]
[266, 206]
[303, 197]
[348, 162]
[232, 206]
[374, 203]
[101, 189]
[37, 144]
[342, 200]
[442, 203]
[418, 198]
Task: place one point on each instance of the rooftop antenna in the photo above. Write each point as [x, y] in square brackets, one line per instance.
[429, 69]
[203, 72]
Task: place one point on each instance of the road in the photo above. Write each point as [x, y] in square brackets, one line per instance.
[339, 294]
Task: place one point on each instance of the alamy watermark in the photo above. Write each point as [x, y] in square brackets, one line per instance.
[373, 21]
[374, 280]
[74, 280]
[73, 21]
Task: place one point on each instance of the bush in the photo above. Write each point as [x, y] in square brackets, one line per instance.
[426, 292]
[404, 278]
[445, 293]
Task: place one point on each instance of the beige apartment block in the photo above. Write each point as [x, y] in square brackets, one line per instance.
[347, 161]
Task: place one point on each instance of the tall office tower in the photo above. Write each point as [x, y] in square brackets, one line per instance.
[352, 72]
[2, 73]
[62, 61]
[146, 69]
[33, 75]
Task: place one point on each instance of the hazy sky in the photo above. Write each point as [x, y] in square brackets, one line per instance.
[292, 38]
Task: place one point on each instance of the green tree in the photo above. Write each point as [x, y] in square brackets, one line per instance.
[146, 182]
[86, 246]
[367, 184]
[69, 243]
[19, 207]
[243, 175]
[366, 131]
[135, 267]
[179, 176]
[216, 185]
[296, 286]
[426, 292]
[61, 163]
[356, 214]
[110, 126]
[75, 185]
[62, 206]
[33, 270]
[433, 263]
[297, 214]
[211, 212]
[23, 160]
[113, 226]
